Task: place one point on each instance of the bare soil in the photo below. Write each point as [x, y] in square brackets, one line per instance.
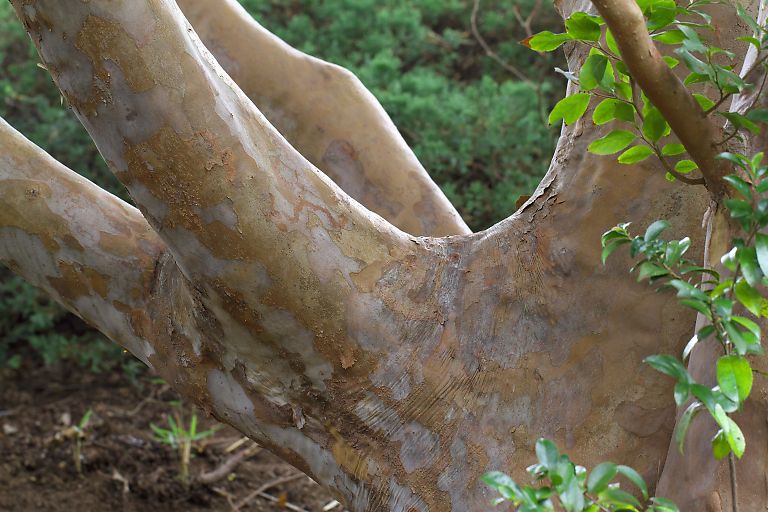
[124, 466]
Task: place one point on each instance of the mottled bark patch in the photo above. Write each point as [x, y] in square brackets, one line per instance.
[103, 40]
[24, 202]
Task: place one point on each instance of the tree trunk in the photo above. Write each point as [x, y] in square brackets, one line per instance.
[393, 369]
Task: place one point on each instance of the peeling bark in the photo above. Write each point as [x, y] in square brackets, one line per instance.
[393, 369]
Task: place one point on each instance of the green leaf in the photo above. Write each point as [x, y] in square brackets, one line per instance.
[734, 376]
[720, 446]
[570, 109]
[654, 125]
[610, 248]
[758, 115]
[672, 149]
[692, 41]
[583, 26]
[704, 394]
[730, 432]
[741, 122]
[671, 61]
[704, 102]
[660, 13]
[761, 248]
[85, 419]
[655, 229]
[634, 477]
[734, 158]
[596, 72]
[675, 250]
[749, 20]
[616, 497]
[663, 505]
[686, 290]
[749, 267]
[681, 393]
[572, 497]
[735, 438]
[650, 270]
[503, 484]
[698, 68]
[670, 37]
[685, 166]
[610, 109]
[748, 296]
[751, 40]
[739, 184]
[612, 143]
[601, 476]
[611, 42]
[669, 365]
[684, 423]
[699, 306]
[547, 453]
[546, 41]
[635, 154]
[736, 337]
[751, 326]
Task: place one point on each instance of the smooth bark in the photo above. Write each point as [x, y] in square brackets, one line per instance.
[393, 369]
[328, 116]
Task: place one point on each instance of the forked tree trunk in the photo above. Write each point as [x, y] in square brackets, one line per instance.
[392, 369]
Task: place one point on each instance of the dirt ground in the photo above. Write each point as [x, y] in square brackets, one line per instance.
[124, 466]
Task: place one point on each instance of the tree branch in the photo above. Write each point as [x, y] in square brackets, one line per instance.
[328, 116]
[241, 211]
[92, 252]
[665, 90]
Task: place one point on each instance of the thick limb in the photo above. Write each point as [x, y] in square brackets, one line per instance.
[328, 116]
[394, 370]
[89, 250]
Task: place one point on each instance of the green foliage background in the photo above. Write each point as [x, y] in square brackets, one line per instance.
[477, 130]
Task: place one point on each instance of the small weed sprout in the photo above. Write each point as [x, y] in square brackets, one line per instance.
[79, 432]
[181, 439]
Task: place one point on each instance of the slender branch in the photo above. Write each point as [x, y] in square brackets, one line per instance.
[229, 465]
[265, 487]
[668, 168]
[734, 484]
[487, 48]
[665, 90]
[526, 23]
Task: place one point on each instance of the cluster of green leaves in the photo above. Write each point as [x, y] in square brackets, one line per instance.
[719, 298]
[605, 77]
[716, 297]
[559, 482]
[475, 128]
